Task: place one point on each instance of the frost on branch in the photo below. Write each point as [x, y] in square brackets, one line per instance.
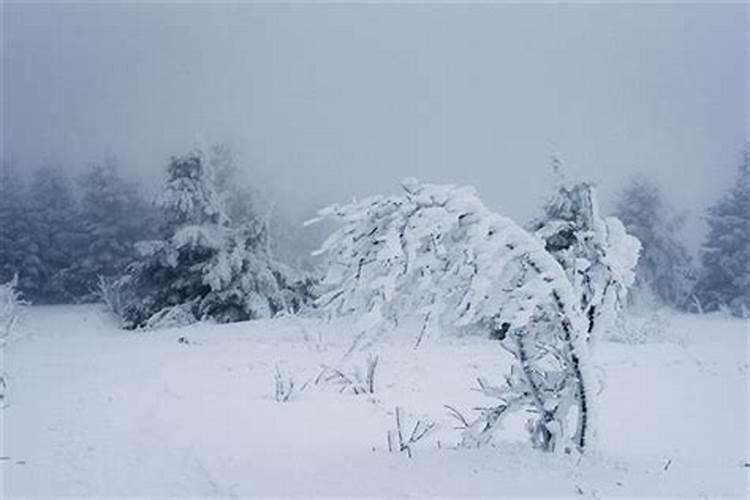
[597, 254]
[436, 252]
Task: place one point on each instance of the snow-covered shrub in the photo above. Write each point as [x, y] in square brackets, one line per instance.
[358, 382]
[110, 294]
[171, 317]
[438, 253]
[206, 263]
[645, 326]
[597, 254]
[10, 309]
[283, 387]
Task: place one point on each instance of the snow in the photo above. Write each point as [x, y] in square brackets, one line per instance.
[97, 411]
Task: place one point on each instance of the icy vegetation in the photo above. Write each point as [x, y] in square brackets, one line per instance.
[10, 313]
[431, 330]
[438, 253]
[597, 254]
[10, 310]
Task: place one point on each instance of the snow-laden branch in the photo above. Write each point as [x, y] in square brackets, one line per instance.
[439, 253]
[597, 254]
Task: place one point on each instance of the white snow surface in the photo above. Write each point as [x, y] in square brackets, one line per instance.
[94, 411]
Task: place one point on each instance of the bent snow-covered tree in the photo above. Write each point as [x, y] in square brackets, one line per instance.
[436, 252]
[597, 254]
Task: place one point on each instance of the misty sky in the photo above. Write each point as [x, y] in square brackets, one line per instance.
[323, 102]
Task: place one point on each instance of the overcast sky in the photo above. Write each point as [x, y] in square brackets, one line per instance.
[324, 102]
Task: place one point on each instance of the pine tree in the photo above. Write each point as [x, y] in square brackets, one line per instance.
[205, 265]
[725, 278]
[56, 238]
[18, 252]
[664, 270]
[113, 217]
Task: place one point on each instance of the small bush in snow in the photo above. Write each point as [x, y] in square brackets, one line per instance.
[360, 382]
[438, 253]
[645, 327]
[401, 439]
[10, 309]
[283, 386]
[3, 393]
[110, 294]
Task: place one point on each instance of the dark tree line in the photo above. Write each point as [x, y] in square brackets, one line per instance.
[201, 249]
[60, 234]
[725, 274]
[667, 273]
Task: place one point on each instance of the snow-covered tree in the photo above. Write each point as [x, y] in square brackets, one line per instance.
[725, 277]
[205, 264]
[247, 282]
[597, 254]
[437, 253]
[664, 272]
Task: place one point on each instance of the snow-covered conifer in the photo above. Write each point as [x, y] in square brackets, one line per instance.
[206, 265]
[436, 252]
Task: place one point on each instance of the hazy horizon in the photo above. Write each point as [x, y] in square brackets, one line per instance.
[326, 102]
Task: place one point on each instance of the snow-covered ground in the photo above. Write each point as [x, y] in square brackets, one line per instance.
[96, 411]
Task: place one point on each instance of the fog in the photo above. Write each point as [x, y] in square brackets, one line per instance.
[325, 102]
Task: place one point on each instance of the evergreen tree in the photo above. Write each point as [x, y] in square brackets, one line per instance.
[205, 265]
[725, 277]
[113, 217]
[18, 252]
[664, 272]
[56, 239]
